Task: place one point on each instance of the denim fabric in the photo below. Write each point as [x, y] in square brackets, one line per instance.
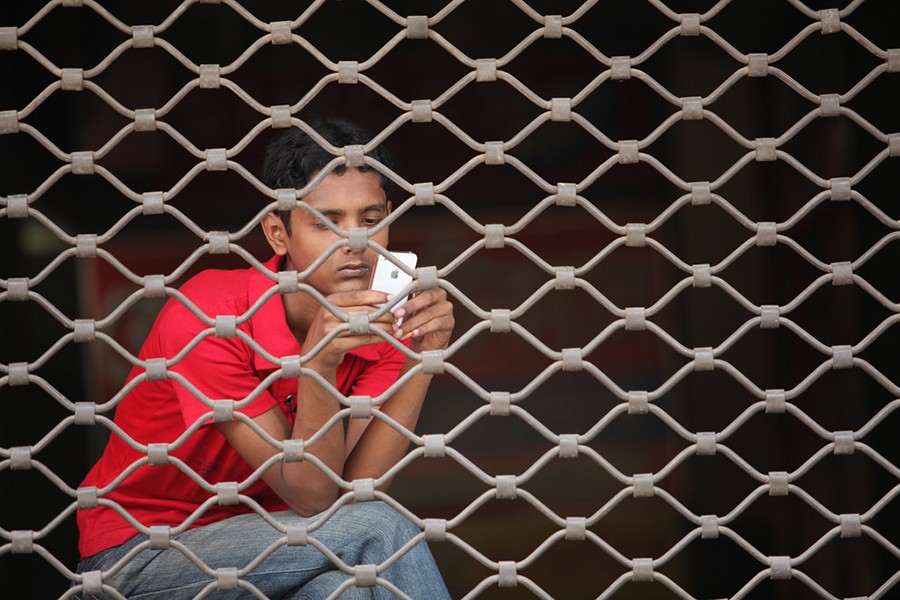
[360, 534]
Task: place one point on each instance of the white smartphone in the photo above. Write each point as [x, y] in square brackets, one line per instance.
[391, 279]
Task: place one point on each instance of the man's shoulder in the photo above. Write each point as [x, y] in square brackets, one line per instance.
[213, 292]
[216, 283]
[215, 286]
[212, 287]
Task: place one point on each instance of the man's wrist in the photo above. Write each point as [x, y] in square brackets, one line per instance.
[325, 368]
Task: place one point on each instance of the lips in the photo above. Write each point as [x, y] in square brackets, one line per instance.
[352, 270]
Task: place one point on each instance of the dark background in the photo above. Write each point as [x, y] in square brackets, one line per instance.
[500, 278]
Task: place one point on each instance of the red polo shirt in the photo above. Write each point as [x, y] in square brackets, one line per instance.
[159, 412]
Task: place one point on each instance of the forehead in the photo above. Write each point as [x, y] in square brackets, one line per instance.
[352, 190]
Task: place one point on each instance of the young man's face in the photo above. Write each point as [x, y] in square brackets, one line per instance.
[352, 199]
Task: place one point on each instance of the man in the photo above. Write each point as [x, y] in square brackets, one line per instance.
[172, 490]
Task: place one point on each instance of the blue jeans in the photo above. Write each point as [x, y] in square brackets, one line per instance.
[366, 533]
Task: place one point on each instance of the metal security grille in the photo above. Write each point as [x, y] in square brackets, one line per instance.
[858, 170]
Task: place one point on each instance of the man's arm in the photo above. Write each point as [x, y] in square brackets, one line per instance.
[302, 485]
[305, 487]
[428, 322]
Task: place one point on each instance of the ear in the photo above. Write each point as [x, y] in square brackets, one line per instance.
[273, 229]
[387, 231]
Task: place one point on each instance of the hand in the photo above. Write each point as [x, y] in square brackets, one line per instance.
[325, 322]
[427, 321]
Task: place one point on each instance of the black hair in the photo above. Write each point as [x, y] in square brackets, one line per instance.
[294, 157]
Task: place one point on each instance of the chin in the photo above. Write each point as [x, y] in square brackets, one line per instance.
[353, 285]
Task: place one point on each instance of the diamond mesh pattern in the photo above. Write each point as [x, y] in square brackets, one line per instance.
[655, 565]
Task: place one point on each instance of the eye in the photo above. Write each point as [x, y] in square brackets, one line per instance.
[322, 226]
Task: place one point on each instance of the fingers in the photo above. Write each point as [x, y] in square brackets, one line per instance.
[358, 298]
[326, 324]
[429, 312]
[420, 301]
[426, 320]
[384, 322]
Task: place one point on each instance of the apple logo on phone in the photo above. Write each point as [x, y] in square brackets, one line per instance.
[390, 278]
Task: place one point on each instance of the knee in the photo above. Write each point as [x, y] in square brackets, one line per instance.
[385, 525]
[388, 517]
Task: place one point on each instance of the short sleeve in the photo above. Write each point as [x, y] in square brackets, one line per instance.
[212, 369]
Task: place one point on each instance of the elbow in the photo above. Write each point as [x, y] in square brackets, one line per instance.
[310, 503]
[306, 488]
[310, 509]
[306, 493]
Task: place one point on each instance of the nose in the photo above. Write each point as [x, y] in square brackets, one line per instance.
[356, 235]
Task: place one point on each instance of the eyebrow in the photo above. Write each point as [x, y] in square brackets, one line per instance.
[338, 212]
